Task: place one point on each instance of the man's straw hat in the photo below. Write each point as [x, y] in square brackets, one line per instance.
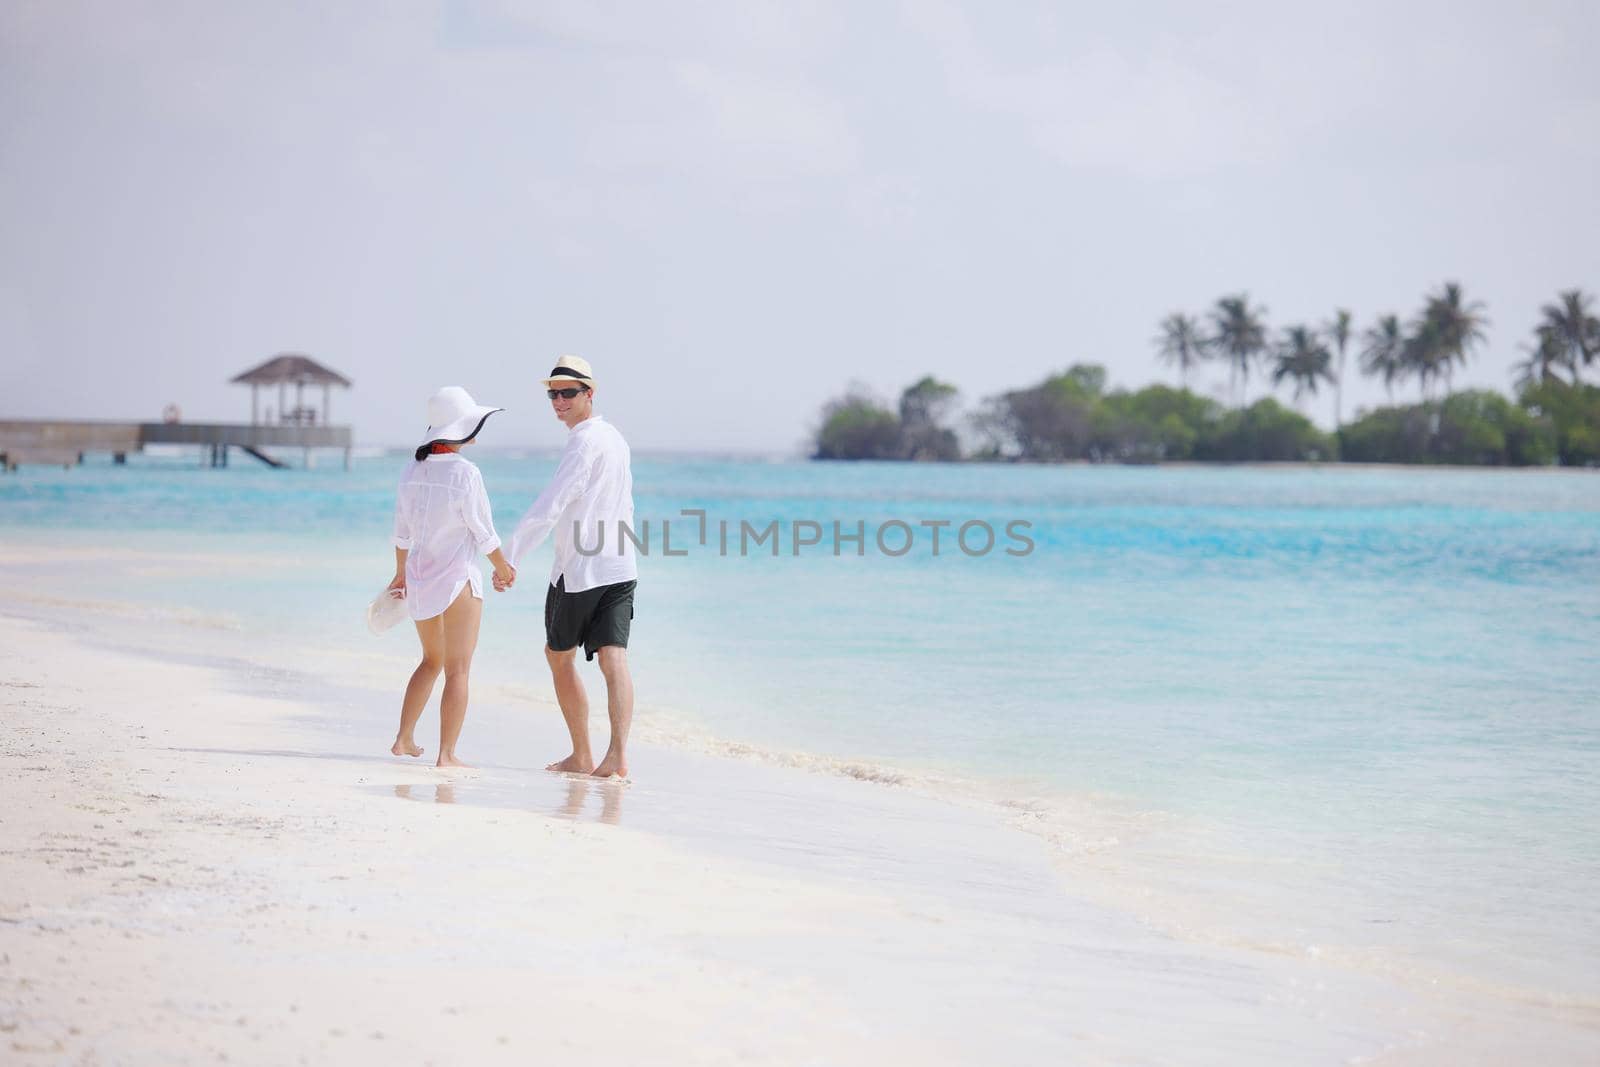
[570, 370]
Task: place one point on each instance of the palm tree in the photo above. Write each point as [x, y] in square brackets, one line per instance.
[1571, 329]
[1458, 326]
[1302, 357]
[1339, 333]
[1240, 337]
[1383, 352]
[1182, 343]
[1422, 355]
[1543, 357]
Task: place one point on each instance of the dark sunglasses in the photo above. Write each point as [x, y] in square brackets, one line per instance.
[566, 394]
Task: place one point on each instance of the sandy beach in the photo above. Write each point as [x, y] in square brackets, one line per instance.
[189, 878]
[209, 862]
[1086, 522]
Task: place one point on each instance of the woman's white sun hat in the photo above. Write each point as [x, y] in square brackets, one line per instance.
[386, 609]
[453, 416]
[570, 370]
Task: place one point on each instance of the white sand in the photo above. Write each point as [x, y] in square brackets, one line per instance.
[193, 872]
[163, 905]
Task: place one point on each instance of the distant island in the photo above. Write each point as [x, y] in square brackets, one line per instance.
[1554, 417]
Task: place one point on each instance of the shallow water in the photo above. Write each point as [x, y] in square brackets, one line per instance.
[1338, 712]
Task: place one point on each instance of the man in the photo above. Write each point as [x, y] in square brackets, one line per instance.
[590, 600]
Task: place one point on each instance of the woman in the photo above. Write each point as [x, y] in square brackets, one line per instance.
[441, 524]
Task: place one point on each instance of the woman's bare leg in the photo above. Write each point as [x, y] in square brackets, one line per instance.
[431, 633]
[461, 621]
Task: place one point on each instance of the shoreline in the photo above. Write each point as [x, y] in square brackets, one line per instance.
[1167, 870]
[764, 459]
[193, 836]
[1157, 867]
[1215, 464]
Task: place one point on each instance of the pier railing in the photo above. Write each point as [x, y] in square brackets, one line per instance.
[243, 435]
[65, 441]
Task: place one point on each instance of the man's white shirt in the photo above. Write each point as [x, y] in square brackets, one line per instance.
[590, 498]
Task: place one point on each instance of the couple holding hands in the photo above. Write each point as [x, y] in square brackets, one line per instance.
[442, 524]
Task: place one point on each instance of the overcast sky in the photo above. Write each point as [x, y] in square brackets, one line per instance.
[732, 209]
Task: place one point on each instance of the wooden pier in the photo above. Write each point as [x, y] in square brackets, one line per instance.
[60, 442]
[64, 442]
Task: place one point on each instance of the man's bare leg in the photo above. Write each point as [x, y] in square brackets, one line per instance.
[619, 706]
[574, 709]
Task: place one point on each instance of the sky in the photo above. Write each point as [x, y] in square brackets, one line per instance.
[736, 209]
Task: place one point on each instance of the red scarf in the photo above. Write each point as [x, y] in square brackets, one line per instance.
[439, 448]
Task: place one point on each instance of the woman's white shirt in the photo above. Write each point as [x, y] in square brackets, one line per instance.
[442, 519]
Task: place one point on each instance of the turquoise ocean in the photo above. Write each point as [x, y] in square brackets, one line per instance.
[1346, 713]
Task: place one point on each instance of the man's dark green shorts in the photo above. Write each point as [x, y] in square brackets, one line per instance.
[593, 618]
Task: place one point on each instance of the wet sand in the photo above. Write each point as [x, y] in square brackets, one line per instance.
[221, 862]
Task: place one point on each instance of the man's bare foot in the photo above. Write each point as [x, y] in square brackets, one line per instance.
[612, 766]
[451, 761]
[573, 764]
[406, 748]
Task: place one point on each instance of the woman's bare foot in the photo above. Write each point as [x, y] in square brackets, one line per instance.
[612, 766]
[573, 764]
[404, 747]
[451, 761]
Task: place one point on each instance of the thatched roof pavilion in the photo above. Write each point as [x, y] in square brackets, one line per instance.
[283, 370]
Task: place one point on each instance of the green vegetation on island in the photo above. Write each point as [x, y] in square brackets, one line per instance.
[1072, 415]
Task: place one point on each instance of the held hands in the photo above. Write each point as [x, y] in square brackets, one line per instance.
[505, 576]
